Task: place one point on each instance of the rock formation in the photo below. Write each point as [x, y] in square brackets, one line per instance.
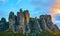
[23, 23]
[46, 22]
[12, 21]
[37, 28]
[56, 29]
[43, 22]
[27, 18]
[20, 19]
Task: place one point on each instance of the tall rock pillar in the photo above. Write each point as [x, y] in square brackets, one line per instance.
[27, 18]
[11, 21]
[20, 20]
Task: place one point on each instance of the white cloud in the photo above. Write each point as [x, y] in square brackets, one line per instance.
[3, 1]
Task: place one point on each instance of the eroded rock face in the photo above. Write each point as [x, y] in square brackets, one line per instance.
[56, 29]
[12, 21]
[27, 18]
[20, 21]
[46, 22]
[23, 21]
[37, 27]
[24, 24]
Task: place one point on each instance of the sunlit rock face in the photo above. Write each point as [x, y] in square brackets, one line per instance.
[37, 28]
[12, 21]
[46, 22]
[27, 18]
[20, 21]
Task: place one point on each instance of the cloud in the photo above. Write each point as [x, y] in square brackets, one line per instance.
[55, 9]
[57, 17]
[42, 2]
[41, 5]
[55, 12]
[3, 1]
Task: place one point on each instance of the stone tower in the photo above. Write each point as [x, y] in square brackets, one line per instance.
[20, 21]
[12, 21]
[27, 18]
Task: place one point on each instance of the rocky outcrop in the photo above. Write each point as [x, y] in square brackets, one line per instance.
[46, 22]
[37, 28]
[27, 18]
[43, 22]
[20, 19]
[56, 29]
[23, 21]
[24, 24]
[12, 21]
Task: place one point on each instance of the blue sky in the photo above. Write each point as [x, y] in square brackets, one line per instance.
[35, 7]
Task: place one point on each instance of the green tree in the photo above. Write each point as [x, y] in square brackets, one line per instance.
[3, 19]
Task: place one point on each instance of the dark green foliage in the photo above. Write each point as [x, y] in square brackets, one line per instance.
[3, 24]
[30, 34]
[32, 24]
[46, 34]
[10, 33]
[3, 19]
[41, 24]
